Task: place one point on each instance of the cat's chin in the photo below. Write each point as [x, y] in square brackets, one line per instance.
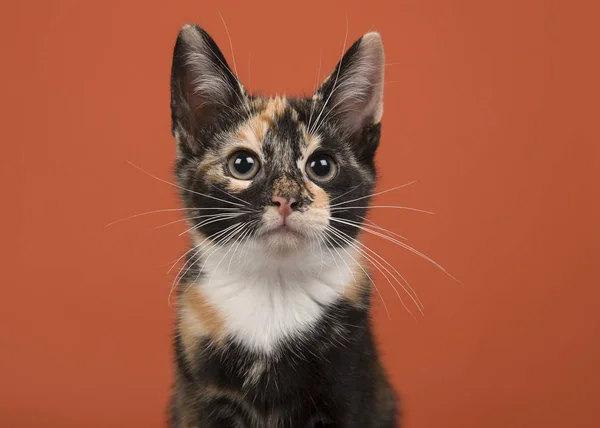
[283, 242]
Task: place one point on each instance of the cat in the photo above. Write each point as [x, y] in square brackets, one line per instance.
[272, 321]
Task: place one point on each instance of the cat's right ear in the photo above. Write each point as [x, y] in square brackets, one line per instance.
[204, 90]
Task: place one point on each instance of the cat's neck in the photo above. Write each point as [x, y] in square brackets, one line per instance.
[263, 300]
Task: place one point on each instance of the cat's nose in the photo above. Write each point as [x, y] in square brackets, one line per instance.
[285, 206]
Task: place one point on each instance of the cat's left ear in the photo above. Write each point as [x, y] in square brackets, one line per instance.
[354, 90]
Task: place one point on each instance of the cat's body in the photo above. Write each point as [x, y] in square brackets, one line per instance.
[273, 306]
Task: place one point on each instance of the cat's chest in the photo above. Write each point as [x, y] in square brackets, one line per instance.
[260, 306]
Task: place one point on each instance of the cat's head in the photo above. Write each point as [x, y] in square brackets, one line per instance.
[282, 173]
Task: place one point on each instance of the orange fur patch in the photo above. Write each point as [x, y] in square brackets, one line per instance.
[312, 141]
[320, 196]
[275, 107]
[197, 319]
[354, 291]
[285, 187]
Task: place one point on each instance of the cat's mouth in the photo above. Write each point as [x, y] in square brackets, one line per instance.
[282, 240]
[283, 230]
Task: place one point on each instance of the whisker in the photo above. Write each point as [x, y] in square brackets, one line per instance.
[205, 222]
[249, 80]
[230, 195]
[345, 193]
[230, 42]
[245, 233]
[401, 244]
[375, 226]
[375, 194]
[164, 211]
[332, 109]
[398, 207]
[413, 295]
[234, 64]
[240, 230]
[312, 104]
[315, 237]
[192, 260]
[181, 257]
[339, 68]
[221, 241]
[183, 188]
[323, 238]
[329, 241]
[367, 274]
[375, 264]
[194, 218]
[356, 97]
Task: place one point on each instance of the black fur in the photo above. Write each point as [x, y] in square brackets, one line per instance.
[334, 377]
[330, 378]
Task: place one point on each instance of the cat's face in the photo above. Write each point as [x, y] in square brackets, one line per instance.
[280, 173]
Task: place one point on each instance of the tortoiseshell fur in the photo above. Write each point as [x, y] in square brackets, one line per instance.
[325, 372]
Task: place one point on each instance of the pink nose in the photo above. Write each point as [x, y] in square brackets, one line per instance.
[285, 206]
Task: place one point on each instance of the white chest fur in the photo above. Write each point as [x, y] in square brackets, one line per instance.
[263, 300]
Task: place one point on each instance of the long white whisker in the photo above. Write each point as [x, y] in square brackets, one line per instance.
[375, 194]
[230, 195]
[239, 231]
[345, 193]
[375, 264]
[329, 241]
[401, 244]
[165, 211]
[384, 206]
[192, 260]
[221, 241]
[332, 109]
[324, 237]
[234, 64]
[336, 78]
[376, 227]
[312, 104]
[367, 274]
[237, 244]
[183, 188]
[249, 80]
[196, 218]
[230, 42]
[204, 245]
[245, 233]
[210, 221]
[316, 237]
[194, 247]
[413, 296]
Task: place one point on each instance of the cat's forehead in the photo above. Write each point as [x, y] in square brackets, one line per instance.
[276, 129]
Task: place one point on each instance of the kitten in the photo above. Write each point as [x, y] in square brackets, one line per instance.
[272, 324]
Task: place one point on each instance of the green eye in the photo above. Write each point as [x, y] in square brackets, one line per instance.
[321, 168]
[243, 165]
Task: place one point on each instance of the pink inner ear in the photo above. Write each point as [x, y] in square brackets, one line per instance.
[208, 84]
[357, 94]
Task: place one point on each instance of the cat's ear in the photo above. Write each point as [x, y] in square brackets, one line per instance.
[354, 90]
[204, 90]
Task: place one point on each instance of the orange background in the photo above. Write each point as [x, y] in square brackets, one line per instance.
[491, 106]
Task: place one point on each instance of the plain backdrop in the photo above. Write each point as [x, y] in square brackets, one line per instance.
[492, 106]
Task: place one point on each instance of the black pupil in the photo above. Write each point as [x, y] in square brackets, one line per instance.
[243, 163]
[320, 166]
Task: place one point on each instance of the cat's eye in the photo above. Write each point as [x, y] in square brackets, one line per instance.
[243, 165]
[321, 168]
